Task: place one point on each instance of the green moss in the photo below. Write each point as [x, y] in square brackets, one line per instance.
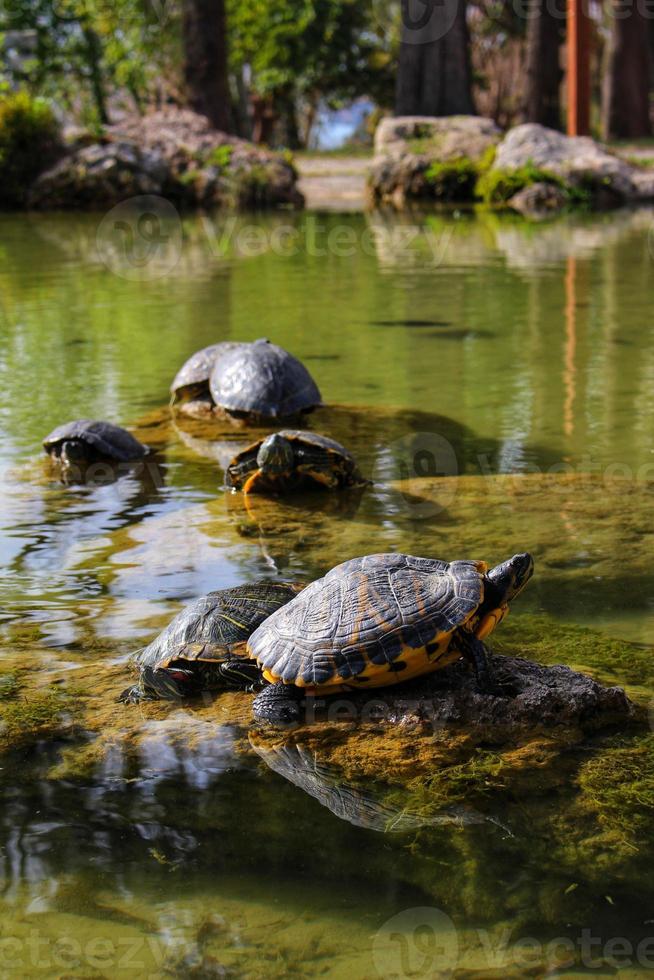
[42, 714]
[497, 186]
[29, 141]
[80, 762]
[189, 177]
[618, 785]
[221, 156]
[453, 180]
[9, 685]
[543, 639]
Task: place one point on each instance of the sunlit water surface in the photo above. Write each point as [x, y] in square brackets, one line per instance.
[480, 347]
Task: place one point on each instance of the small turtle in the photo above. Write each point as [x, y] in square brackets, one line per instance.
[379, 620]
[192, 380]
[199, 650]
[291, 460]
[85, 441]
[262, 381]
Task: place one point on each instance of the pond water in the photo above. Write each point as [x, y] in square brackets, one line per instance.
[496, 380]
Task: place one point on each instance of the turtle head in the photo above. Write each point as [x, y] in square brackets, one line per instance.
[510, 578]
[73, 451]
[275, 456]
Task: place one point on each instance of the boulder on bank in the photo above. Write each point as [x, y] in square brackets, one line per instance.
[578, 160]
[429, 157]
[464, 158]
[173, 152]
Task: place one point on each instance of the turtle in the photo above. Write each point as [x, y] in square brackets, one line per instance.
[293, 459]
[86, 441]
[379, 620]
[201, 649]
[192, 380]
[260, 381]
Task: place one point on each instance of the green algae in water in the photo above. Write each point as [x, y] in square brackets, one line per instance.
[547, 359]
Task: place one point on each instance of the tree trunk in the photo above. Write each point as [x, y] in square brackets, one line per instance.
[93, 61]
[544, 36]
[205, 60]
[625, 95]
[434, 77]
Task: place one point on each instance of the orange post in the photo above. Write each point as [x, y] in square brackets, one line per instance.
[578, 68]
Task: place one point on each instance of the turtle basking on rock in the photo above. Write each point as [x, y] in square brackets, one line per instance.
[253, 382]
[379, 620]
[202, 649]
[84, 441]
[293, 459]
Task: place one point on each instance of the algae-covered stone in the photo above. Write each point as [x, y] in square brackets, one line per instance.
[415, 156]
[579, 160]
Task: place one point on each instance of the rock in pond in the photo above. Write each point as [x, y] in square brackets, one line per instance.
[542, 698]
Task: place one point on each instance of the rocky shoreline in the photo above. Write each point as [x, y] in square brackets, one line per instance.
[530, 169]
[174, 153]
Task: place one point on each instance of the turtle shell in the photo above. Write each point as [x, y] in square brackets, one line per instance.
[204, 630]
[370, 622]
[311, 448]
[264, 380]
[106, 439]
[196, 371]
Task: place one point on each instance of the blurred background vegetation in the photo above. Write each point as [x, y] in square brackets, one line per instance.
[276, 70]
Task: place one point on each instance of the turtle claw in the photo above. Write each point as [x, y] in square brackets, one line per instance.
[131, 695]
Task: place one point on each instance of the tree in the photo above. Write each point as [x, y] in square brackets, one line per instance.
[301, 53]
[625, 93]
[544, 73]
[204, 27]
[434, 77]
[89, 50]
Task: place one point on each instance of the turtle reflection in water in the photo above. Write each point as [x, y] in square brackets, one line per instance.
[361, 807]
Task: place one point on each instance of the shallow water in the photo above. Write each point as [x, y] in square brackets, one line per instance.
[496, 381]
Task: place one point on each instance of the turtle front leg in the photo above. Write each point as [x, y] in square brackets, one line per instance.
[278, 703]
[476, 653]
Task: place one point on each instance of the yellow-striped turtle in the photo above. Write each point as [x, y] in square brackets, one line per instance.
[379, 620]
[203, 647]
[293, 459]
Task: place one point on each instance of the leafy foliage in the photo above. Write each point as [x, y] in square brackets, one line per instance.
[29, 140]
